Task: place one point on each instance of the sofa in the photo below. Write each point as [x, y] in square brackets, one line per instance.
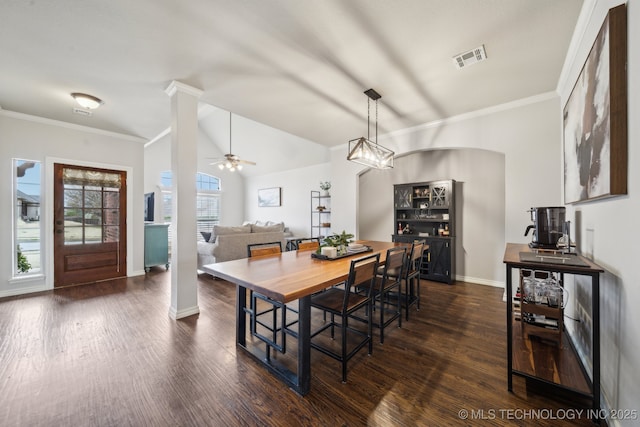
[226, 243]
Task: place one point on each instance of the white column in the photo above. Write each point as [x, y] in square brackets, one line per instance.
[184, 165]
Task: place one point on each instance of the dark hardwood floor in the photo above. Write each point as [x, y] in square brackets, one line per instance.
[108, 354]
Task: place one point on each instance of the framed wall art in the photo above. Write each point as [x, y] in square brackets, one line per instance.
[595, 118]
[269, 197]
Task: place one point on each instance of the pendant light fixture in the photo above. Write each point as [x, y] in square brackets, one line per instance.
[366, 152]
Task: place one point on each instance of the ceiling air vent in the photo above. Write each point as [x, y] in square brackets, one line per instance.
[465, 59]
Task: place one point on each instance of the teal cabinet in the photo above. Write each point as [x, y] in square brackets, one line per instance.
[156, 245]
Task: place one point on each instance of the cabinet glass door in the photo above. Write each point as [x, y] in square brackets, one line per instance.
[403, 197]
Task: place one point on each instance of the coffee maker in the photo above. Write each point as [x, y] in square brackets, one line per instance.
[548, 226]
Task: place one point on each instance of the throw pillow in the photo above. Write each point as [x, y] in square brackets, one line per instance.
[219, 230]
[266, 228]
[281, 224]
[206, 236]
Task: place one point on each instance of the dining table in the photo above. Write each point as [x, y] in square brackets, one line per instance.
[285, 278]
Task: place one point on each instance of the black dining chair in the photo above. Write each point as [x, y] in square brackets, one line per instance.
[257, 314]
[341, 304]
[412, 276]
[387, 292]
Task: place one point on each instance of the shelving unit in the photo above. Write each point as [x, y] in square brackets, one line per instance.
[320, 219]
[547, 364]
[426, 211]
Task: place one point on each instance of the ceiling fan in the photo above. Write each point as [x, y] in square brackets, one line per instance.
[231, 161]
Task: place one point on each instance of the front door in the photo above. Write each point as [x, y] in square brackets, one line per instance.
[89, 224]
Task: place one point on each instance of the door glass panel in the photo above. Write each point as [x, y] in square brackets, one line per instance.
[92, 199]
[72, 215]
[93, 234]
[72, 198]
[92, 217]
[91, 211]
[111, 198]
[111, 234]
[73, 234]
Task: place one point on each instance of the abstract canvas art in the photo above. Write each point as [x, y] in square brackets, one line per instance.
[595, 118]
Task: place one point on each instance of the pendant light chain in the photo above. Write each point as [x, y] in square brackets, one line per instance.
[368, 123]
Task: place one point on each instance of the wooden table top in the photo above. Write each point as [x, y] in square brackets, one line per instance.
[512, 257]
[291, 275]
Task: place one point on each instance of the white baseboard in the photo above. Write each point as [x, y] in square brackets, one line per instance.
[478, 281]
[185, 312]
[22, 291]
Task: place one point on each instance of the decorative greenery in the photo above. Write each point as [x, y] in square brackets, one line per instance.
[325, 185]
[23, 264]
[338, 240]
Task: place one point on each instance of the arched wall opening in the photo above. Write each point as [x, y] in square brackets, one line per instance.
[480, 204]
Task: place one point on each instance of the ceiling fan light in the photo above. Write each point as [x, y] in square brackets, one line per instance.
[87, 101]
[231, 161]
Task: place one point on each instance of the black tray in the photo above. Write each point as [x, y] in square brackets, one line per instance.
[568, 259]
[320, 256]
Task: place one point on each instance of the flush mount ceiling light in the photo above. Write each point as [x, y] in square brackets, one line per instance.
[366, 152]
[231, 161]
[87, 101]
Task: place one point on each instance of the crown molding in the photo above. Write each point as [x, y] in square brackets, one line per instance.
[475, 114]
[67, 125]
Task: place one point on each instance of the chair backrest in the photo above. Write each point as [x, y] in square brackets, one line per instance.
[308, 244]
[415, 257]
[261, 249]
[395, 262]
[362, 276]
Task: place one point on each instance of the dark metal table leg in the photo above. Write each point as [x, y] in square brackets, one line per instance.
[304, 345]
[241, 316]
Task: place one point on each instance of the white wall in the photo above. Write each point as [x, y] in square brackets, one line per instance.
[606, 231]
[480, 205]
[33, 138]
[296, 186]
[525, 132]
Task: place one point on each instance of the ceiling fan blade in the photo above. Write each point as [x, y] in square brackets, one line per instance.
[217, 161]
[246, 162]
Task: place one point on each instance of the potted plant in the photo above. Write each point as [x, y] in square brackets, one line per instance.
[325, 186]
[339, 241]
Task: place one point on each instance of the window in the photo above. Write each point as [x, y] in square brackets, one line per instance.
[207, 201]
[26, 220]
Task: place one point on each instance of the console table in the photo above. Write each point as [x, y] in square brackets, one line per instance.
[156, 245]
[566, 352]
